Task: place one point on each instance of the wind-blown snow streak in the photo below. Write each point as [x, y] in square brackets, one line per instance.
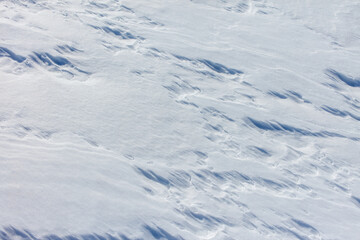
[192, 119]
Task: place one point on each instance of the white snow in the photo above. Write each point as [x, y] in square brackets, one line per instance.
[191, 119]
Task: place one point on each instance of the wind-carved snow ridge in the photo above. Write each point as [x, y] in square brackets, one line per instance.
[218, 119]
[337, 76]
[242, 6]
[53, 63]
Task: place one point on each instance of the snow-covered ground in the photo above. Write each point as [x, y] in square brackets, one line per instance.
[180, 119]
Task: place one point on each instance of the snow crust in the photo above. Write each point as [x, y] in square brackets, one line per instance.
[191, 119]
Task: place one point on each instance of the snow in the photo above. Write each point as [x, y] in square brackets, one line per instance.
[175, 119]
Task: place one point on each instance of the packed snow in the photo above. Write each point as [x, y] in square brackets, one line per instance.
[179, 119]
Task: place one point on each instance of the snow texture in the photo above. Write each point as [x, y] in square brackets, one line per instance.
[179, 119]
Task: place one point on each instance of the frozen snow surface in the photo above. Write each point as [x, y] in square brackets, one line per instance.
[179, 119]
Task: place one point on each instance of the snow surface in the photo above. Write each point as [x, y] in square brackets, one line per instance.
[180, 119]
